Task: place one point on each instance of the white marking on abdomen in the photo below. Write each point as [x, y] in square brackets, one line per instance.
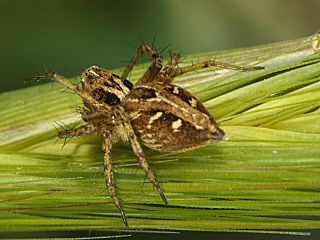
[154, 118]
[176, 124]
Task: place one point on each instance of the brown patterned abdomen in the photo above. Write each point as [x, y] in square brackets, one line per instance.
[167, 121]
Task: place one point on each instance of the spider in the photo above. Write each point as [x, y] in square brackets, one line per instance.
[164, 116]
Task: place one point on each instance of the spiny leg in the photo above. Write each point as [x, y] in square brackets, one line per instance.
[68, 134]
[167, 73]
[138, 151]
[142, 49]
[108, 174]
[88, 129]
[154, 68]
[97, 118]
[212, 63]
[104, 118]
[61, 79]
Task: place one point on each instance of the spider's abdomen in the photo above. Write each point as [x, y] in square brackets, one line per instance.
[105, 86]
[168, 118]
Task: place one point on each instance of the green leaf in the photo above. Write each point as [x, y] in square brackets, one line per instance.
[263, 177]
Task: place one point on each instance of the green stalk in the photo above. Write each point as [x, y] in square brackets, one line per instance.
[264, 177]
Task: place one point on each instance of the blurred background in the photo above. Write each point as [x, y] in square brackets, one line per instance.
[72, 35]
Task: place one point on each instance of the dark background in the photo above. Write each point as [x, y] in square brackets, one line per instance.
[73, 34]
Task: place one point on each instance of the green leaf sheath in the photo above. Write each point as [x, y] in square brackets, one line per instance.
[264, 175]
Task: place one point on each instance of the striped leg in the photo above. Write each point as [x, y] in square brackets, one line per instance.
[61, 79]
[108, 174]
[212, 63]
[88, 129]
[138, 151]
[152, 71]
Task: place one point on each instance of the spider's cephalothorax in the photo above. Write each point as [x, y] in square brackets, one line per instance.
[105, 86]
[162, 115]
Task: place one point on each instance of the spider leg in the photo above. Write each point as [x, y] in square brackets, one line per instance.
[154, 68]
[88, 129]
[138, 151]
[212, 63]
[104, 118]
[61, 79]
[108, 174]
[167, 73]
[82, 110]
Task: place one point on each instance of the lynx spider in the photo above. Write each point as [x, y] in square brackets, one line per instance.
[162, 115]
